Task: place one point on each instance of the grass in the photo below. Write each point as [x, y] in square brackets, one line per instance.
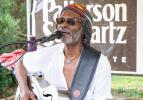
[127, 86]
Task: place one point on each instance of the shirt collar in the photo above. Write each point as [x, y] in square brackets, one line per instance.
[61, 48]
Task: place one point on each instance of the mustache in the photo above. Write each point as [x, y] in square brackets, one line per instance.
[63, 30]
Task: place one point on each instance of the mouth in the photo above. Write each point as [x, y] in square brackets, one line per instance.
[66, 33]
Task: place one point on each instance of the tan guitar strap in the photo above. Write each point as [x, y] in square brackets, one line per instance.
[84, 73]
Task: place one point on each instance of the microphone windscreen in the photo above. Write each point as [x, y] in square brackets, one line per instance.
[59, 34]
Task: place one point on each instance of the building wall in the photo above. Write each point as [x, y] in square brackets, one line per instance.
[116, 34]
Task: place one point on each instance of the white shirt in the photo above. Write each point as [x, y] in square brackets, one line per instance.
[50, 61]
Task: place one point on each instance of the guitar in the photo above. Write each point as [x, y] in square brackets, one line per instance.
[43, 90]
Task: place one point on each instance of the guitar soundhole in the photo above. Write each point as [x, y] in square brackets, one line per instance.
[40, 76]
[47, 95]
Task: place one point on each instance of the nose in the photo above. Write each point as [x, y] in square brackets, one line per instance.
[63, 25]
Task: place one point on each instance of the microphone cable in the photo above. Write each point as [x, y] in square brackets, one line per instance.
[12, 43]
[58, 34]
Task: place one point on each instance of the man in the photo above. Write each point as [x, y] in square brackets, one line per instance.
[59, 63]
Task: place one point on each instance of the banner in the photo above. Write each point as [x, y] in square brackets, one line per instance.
[114, 27]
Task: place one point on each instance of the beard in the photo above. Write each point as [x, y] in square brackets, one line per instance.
[72, 38]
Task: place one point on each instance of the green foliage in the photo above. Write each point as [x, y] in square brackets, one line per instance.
[8, 24]
[127, 86]
[12, 28]
[12, 22]
[7, 81]
[6, 6]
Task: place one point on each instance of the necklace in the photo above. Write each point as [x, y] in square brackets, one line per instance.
[69, 60]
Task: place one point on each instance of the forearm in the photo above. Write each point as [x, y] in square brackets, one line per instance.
[21, 75]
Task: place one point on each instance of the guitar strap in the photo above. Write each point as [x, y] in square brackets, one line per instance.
[84, 73]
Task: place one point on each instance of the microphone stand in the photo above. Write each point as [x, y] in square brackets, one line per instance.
[33, 43]
[32, 46]
[22, 42]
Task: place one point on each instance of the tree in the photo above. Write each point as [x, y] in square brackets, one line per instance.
[12, 28]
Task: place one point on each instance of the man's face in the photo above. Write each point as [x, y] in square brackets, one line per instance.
[70, 24]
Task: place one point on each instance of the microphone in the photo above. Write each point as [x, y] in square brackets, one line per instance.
[57, 35]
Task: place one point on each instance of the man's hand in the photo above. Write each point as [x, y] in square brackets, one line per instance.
[27, 94]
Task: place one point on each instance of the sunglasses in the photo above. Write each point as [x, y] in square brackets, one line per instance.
[69, 21]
